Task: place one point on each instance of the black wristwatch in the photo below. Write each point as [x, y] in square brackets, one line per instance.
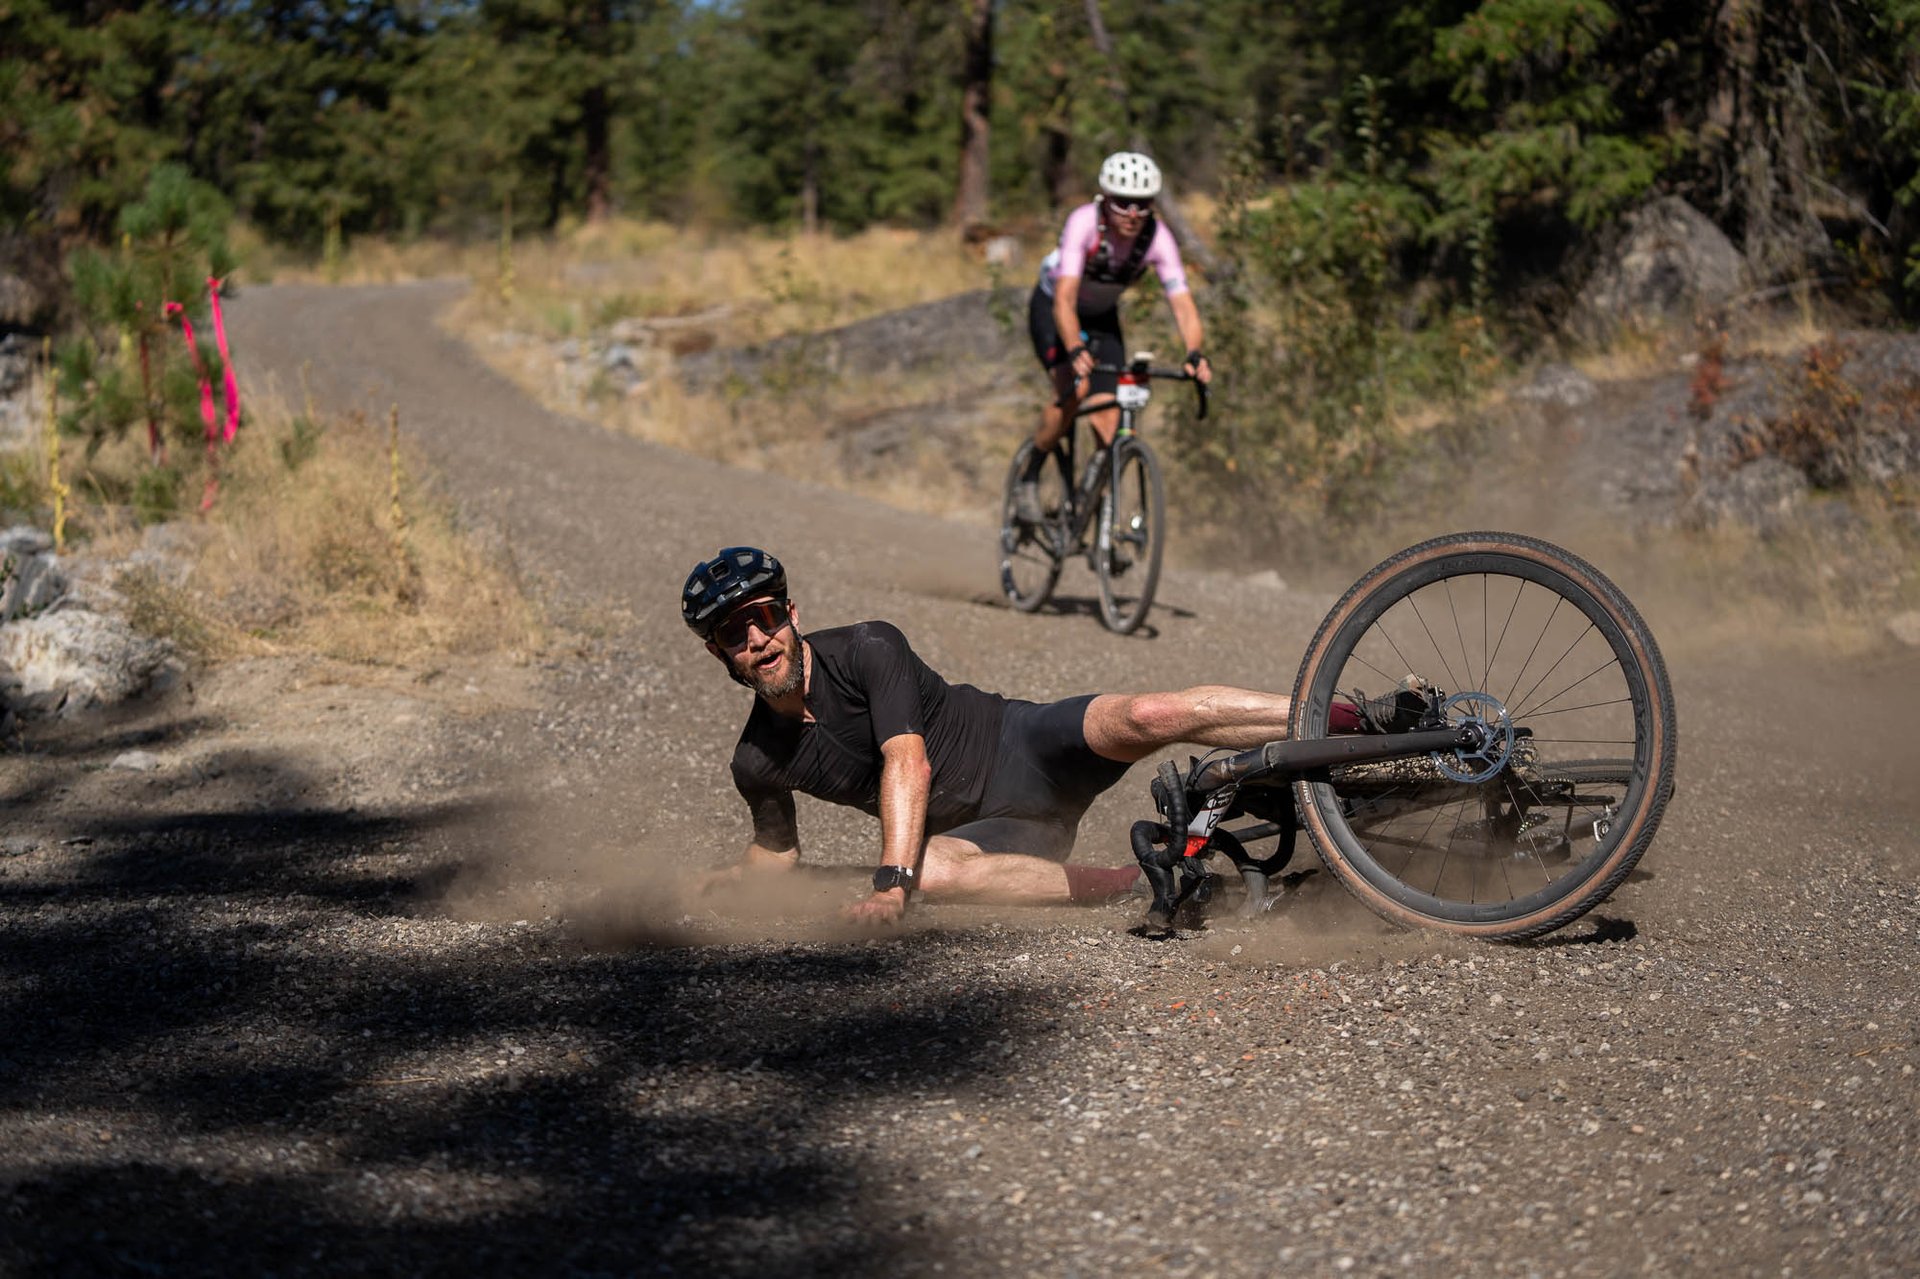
[890, 877]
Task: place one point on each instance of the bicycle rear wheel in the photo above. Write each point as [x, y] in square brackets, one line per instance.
[1029, 553]
[1547, 655]
[1131, 536]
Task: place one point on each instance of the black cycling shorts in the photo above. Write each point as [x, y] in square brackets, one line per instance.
[1044, 778]
[1103, 340]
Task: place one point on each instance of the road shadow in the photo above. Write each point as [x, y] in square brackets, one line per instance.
[1087, 606]
[240, 1039]
[1594, 930]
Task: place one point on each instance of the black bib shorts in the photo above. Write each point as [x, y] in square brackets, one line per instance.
[1044, 779]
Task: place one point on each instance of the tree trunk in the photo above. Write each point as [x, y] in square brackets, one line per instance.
[810, 190]
[976, 86]
[595, 121]
[1756, 138]
[1169, 209]
[1056, 171]
[596, 113]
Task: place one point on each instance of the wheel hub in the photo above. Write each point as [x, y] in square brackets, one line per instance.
[1486, 740]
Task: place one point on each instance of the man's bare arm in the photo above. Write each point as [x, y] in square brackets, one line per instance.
[772, 816]
[906, 780]
[1187, 316]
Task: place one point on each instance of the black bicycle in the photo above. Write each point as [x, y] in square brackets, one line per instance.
[1118, 498]
[1515, 804]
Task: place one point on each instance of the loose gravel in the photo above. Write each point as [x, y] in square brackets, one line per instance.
[378, 976]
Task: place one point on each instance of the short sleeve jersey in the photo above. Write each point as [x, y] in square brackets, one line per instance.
[867, 685]
[1080, 239]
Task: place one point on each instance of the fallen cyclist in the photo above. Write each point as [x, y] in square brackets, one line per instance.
[979, 796]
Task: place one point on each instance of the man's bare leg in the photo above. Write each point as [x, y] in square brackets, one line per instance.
[1132, 726]
[959, 870]
[1055, 417]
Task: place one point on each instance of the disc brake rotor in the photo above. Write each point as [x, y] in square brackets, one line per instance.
[1485, 712]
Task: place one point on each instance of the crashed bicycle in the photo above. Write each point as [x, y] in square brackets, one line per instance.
[1527, 789]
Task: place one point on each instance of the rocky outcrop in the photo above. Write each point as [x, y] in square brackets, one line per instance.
[17, 401]
[1673, 266]
[63, 650]
[987, 326]
[70, 661]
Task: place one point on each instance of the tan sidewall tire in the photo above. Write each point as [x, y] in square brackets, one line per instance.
[1604, 876]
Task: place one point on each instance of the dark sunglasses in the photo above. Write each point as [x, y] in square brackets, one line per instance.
[1130, 208]
[768, 615]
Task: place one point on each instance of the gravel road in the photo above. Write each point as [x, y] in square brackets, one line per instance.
[396, 977]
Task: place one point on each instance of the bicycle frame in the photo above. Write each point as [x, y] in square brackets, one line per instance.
[1195, 805]
[1099, 477]
[1085, 487]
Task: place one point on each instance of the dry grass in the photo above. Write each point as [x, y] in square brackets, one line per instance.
[302, 551]
[1824, 591]
[756, 285]
[723, 290]
[1777, 328]
[365, 261]
[1708, 591]
[753, 285]
[811, 435]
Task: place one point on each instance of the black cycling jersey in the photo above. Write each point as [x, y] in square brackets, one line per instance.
[866, 685]
[1009, 776]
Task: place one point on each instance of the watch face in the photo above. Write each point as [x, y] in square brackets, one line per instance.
[888, 877]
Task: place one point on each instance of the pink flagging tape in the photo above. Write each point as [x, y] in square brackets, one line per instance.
[206, 382]
[231, 385]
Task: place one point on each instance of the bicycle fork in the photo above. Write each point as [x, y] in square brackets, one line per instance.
[1177, 872]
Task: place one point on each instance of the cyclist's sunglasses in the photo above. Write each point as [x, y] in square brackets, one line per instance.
[1130, 208]
[768, 615]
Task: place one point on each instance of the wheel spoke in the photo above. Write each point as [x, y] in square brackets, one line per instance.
[1128, 562]
[1523, 833]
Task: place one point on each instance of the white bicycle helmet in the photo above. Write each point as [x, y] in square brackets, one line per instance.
[1130, 175]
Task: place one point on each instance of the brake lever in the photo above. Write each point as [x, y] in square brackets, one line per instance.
[1169, 791]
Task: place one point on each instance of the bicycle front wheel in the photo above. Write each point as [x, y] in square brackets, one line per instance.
[1029, 552]
[1561, 676]
[1131, 536]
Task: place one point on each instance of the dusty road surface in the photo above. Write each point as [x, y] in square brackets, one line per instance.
[395, 974]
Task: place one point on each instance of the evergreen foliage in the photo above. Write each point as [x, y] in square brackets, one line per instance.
[1385, 170]
[124, 365]
[1794, 126]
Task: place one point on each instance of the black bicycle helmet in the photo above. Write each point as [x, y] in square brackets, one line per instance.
[716, 585]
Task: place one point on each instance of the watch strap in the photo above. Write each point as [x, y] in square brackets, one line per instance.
[890, 877]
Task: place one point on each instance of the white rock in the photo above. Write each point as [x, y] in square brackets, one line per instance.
[75, 660]
[136, 761]
[30, 580]
[1905, 627]
[1003, 250]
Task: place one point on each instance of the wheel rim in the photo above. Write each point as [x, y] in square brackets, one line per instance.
[1562, 818]
[1126, 563]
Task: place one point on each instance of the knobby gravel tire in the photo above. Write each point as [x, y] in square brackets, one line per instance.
[1029, 564]
[1134, 514]
[1578, 673]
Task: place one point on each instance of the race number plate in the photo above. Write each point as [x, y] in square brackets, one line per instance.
[1133, 396]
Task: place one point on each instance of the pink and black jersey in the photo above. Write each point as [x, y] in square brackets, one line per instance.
[1105, 263]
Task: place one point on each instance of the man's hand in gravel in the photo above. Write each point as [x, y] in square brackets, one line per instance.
[880, 910]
